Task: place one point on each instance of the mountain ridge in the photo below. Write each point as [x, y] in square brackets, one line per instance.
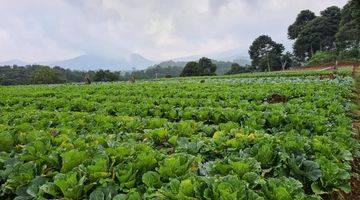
[95, 62]
[131, 62]
[13, 62]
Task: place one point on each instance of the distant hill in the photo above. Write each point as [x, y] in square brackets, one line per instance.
[222, 66]
[94, 62]
[137, 62]
[13, 62]
[242, 61]
[234, 55]
[171, 63]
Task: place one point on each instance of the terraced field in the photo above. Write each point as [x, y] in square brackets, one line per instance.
[253, 136]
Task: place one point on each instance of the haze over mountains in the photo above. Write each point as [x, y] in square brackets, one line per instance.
[130, 62]
[13, 62]
[94, 62]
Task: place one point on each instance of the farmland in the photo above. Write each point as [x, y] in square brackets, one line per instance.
[252, 136]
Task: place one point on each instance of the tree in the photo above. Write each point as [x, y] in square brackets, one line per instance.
[39, 74]
[322, 57]
[190, 69]
[105, 76]
[237, 69]
[318, 34]
[301, 20]
[45, 75]
[348, 35]
[156, 71]
[204, 67]
[286, 61]
[332, 17]
[265, 53]
[309, 39]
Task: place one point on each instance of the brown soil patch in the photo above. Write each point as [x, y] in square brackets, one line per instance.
[275, 98]
[354, 181]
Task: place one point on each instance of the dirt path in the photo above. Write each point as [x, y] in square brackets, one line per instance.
[355, 180]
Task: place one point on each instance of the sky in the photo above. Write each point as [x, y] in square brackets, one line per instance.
[48, 30]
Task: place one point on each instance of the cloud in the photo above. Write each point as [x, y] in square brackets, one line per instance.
[36, 30]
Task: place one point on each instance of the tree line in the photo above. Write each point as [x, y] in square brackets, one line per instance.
[40, 74]
[333, 35]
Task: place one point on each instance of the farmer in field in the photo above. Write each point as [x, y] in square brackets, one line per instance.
[87, 79]
[132, 79]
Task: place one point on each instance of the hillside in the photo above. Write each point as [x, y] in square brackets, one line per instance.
[222, 66]
[94, 62]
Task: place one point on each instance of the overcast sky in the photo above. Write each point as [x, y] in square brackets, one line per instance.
[40, 30]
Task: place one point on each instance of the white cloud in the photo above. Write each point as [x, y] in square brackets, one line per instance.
[36, 30]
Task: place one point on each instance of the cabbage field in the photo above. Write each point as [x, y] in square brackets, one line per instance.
[281, 136]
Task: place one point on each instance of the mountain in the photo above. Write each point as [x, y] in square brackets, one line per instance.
[138, 62]
[171, 63]
[13, 62]
[231, 55]
[222, 66]
[223, 60]
[94, 62]
[234, 55]
[242, 61]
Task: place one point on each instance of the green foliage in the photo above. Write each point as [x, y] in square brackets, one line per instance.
[216, 139]
[204, 67]
[70, 184]
[283, 189]
[99, 168]
[322, 57]
[351, 54]
[6, 141]
[190, 69]
[45, 75]
[335, 30]
[318, 34]
[266, 54]
[17, 175]
[71, 159]
[174, 166]
[38, 74]
[151, 179]
[301, 19]
[288, 60]
[348, 36]
[159, 71]
[237, 69]
[106, 76]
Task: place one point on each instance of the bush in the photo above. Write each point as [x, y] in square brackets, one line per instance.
[237, 69]
[322, 57]
[204, 67]
[331, 56]
[352, 54]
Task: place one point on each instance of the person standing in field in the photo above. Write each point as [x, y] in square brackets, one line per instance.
[87, 79]
[132, 79]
